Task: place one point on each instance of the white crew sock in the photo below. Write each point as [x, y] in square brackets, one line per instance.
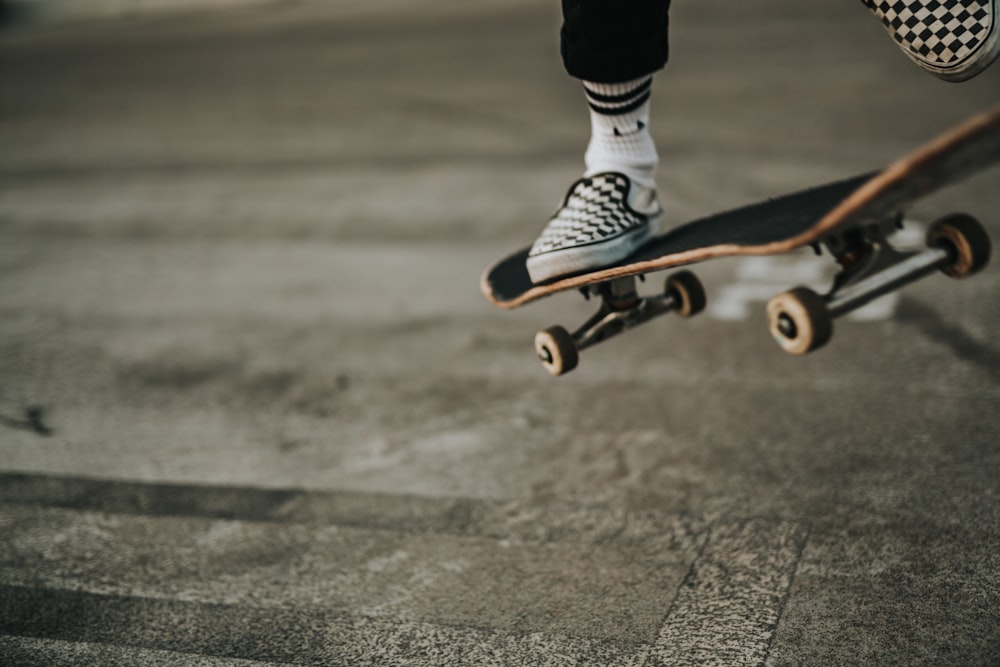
[620, 139]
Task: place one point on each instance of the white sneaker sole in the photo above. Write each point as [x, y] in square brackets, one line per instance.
[582, 258]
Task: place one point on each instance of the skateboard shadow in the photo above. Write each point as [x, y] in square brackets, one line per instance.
[934, 326]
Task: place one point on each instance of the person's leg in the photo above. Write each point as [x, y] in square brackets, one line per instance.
[952, 39]
[613, 47]
[610, 41]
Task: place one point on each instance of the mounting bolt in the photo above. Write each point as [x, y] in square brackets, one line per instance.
[787, 327]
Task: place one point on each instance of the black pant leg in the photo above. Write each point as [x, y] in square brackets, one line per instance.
[610, 41]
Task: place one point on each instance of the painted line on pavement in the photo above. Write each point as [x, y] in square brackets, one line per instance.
[306, 637]
[286, 587]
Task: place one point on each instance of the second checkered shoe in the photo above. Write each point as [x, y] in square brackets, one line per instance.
[604, 219]
[952, 39]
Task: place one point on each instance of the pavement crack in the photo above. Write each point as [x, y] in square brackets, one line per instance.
[784, 597]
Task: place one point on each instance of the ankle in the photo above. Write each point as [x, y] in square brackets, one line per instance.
[620, 140]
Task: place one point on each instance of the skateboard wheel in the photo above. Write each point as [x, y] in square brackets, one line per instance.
[557, 350]
[799, 321]
[688, 291]
[969, 243]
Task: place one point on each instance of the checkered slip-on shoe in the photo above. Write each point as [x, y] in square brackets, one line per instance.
[952, 39]
[603, 220]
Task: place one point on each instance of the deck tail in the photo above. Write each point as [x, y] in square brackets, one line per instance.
[950, 158]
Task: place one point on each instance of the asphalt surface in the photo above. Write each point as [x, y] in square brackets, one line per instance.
[254, 410]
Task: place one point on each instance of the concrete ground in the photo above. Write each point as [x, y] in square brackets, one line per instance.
[254, 410]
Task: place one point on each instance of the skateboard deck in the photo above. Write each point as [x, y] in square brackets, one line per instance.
[777, 225]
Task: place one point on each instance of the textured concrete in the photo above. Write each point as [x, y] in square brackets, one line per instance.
[254, 410]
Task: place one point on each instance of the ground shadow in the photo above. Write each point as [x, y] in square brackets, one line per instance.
[924, 318]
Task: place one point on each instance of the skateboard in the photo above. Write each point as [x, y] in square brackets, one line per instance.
[851, 219]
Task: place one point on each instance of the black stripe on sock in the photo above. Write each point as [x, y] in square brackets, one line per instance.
[618, 99]
[619, 111]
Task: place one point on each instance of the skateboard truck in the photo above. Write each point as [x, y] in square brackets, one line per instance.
[801, 320]
[621, 308]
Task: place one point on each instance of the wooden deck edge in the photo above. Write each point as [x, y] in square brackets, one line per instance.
[858, 203]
